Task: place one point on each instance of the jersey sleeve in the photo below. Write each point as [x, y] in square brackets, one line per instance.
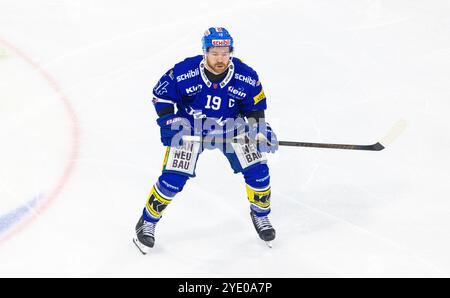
[256, 99]
[165, 94]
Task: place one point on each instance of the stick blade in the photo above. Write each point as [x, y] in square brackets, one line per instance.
[393, 133]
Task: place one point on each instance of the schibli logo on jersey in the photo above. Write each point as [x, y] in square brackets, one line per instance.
[237, 92]
[193, 89]
[221, 42]
[190, 74]
[247, 79]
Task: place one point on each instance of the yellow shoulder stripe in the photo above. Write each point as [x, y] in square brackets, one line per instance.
[259, 97]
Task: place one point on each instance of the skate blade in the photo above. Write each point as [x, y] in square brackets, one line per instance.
[268, 243]
[144, 249]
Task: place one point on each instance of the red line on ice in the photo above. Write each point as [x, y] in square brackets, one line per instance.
[75, 142]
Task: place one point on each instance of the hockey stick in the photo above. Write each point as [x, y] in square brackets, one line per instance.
[374, 147]
[393, 133]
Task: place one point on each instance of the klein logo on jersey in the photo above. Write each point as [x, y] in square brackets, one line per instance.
[237, 92]
[221, 42]
[247, 79]
[190, 74]
[193, 89]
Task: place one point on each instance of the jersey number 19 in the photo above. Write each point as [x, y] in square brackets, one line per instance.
[213, 102]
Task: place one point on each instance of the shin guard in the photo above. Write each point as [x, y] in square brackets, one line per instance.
[259, 199]
[156, 203]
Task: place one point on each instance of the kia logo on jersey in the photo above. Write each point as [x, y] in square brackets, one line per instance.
[193, 89]
[221, 42]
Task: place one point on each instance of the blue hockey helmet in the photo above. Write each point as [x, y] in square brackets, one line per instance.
[217, 37]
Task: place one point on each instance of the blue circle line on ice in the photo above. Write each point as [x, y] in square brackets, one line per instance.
[13, 217]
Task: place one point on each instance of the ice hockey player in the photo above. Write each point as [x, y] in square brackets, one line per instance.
[207, 96]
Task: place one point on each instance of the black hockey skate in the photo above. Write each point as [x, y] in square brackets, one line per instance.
[145, 235]
[263, 227]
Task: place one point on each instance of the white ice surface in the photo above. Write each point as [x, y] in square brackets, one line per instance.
[334, 71]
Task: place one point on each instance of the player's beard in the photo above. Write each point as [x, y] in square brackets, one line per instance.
[217, 70]
[220, 68]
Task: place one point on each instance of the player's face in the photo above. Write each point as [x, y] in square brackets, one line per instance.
[218, 58]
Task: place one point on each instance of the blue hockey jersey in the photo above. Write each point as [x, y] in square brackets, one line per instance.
[195, 97]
